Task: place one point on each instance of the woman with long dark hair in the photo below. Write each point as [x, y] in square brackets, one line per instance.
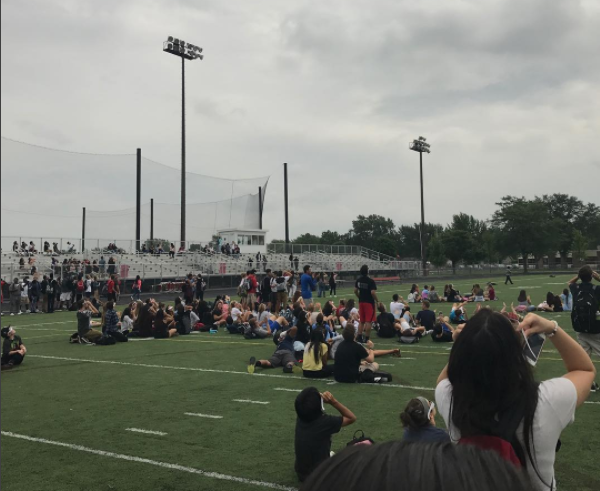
[395, 465]
[487, 391]
[524, 302]
[314, 364]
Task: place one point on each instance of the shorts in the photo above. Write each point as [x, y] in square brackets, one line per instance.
[368, 366]
[366, 312]
[590, 343]
[274, 325]
[445, 338]
[308, 301]
[282, 358]
[111, 297]
[65, 297]
[24, 300]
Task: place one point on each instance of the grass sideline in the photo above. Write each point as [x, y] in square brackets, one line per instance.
[66, 410]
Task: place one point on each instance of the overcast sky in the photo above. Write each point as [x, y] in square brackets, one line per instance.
[506, 91]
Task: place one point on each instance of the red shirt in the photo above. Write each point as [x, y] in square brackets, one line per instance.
[110, 286]
[253, 284]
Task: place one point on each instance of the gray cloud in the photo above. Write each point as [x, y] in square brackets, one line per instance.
[504, 90]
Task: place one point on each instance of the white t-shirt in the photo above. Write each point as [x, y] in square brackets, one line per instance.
[555, 410]
[396, 309]
[235, 314]
[88, 286]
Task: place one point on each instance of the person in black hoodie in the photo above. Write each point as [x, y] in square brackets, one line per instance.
[34, 295]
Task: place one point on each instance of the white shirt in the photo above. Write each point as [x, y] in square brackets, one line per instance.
[88, 286]
[235, 314]
[555, 410]
[396, 309]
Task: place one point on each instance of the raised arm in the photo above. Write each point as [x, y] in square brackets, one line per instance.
[580, 369]
[348, 416]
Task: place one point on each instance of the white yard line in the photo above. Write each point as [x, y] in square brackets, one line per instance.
[200, 415]
[155, 463]
[25, 326]
[591, 402]
[283, 389]
[248, 401]
[146, 432]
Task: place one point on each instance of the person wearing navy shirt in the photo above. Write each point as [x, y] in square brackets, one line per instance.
[418, 420]
[426, 317]
[309, 285]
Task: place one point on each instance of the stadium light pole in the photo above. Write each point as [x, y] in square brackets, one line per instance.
[185, 51]
[421, 146]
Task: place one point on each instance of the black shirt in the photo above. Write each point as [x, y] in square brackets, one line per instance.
[347, 360]
[313, 442]
[365, 286]
[386, 325]
[12, 345]
[427, 318]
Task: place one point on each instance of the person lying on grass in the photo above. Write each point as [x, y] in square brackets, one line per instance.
[13, 349]
[282, 357]
[314, 428]
[442, 331]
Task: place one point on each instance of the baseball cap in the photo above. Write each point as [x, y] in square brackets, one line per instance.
[6, 331]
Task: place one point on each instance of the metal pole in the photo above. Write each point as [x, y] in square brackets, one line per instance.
[287, 219]
[138, 201]
[183, 151]
[260, 210]
[83, 231]
[152, 219]
[423, 234]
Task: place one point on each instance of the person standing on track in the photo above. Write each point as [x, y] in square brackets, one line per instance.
[366, 291]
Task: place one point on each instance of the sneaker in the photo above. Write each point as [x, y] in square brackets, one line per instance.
[83, 340]
[251, 365]
[595, 387]
[19, 313]
[12, 313]
[297, 369]
[427, 333]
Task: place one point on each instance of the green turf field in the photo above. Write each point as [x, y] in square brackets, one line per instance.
[66, 410]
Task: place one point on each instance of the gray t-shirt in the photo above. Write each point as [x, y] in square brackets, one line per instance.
[83, 322]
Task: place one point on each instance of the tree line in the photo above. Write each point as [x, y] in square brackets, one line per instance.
[538, 227]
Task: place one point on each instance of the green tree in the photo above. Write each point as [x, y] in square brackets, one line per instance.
[410, 238]
[436, 252]
[565, 210]
[523, 227]
[158, 242]
[332, 238]
[473, 251]
[454, 241]
[580, 245]
[307, 238]
[589, 224]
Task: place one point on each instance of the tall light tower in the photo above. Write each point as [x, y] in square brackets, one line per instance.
[185, 51]
[421, 146]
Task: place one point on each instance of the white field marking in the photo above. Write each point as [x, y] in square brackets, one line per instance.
[200, 415]
[333, 382]
[248, 401]
[523, 287]
[283, 389]
[52, 330]
[24, 326]
[591, 402]
[147, 432]
[33, 338]
[156, 463]
[142, 339]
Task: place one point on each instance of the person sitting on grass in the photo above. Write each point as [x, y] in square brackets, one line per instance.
[314, 428]
[314, 363]
[397, 306]
[13, 349]
[477, 293]
[524, 301]
[458, 314]
[85, 332]
[566, 299]
[239, 314]
[189, 320]
[434, 296]
[407, 325]
[283, 356]
[142, 327]
[388, 326]
[426, 317]
[164, 324]
[325, 328]
[442, 330]
[111, 325]
[415, 295]
[548, 304]
[218, 315]
[418, 421]
[127, 317]
[353, 362]
[490, 293]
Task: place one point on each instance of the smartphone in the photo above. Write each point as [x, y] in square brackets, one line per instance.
[532, 349]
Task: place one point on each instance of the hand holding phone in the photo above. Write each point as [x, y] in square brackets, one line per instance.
[532, 349]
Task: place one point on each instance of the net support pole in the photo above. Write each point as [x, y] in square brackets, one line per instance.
[138, 201]
[285, 191]
[260, 208]
[83, 230]
[152, 219]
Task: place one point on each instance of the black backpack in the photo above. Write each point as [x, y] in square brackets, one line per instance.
[585, 306]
